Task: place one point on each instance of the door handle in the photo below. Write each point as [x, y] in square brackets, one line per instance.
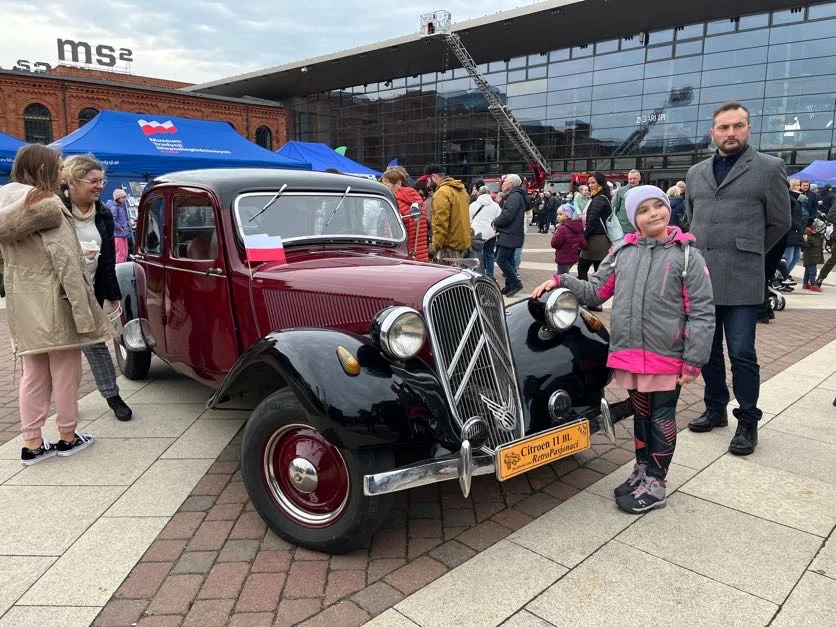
[214, 272]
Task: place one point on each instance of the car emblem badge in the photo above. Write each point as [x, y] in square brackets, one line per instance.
[504, 415]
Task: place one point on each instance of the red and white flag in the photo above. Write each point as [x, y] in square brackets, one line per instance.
[264, 248]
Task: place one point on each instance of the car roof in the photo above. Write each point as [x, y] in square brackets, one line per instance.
[229, 182]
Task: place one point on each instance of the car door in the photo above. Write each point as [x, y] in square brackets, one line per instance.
[200, 329]
[150, 256]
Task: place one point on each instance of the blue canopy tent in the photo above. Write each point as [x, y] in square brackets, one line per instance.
[321, 157]
[8, 149]
[818, 172]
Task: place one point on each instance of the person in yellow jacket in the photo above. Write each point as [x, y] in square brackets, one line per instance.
[451, 215]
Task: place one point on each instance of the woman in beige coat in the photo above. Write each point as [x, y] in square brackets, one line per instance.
[51, 309]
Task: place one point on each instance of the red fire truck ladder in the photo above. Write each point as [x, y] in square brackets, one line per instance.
[439, 24]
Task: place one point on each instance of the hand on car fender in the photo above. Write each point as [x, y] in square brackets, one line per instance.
[543, 287]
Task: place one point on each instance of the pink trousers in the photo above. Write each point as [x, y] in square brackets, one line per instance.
[57, 373]
[121, 244]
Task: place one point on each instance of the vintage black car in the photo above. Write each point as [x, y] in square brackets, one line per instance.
[372, 373]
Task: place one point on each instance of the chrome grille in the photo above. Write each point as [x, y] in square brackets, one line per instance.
[466, 319]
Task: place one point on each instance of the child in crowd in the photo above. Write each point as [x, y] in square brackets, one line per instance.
[661, 335]
[813, 254]
[568, 239]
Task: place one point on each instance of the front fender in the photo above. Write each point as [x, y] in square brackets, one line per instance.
[387, 403]
[131, 279]
[574, 360]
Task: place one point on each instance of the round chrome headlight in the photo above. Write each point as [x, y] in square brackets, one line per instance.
[400, 331]
[561, 309]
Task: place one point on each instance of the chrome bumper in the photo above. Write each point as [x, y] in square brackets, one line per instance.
[463, 466]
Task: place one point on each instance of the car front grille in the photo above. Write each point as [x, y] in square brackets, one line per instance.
[466, 320]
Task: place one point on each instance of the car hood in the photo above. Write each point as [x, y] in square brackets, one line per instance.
[345, 290]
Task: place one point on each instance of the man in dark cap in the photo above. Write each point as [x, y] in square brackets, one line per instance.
[451, 216]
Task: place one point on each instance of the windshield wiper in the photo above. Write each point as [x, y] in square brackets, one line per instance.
[337, 208]
[272, 200]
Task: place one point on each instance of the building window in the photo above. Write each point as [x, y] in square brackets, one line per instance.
[264, 137]
[37, 124]
[85, 115]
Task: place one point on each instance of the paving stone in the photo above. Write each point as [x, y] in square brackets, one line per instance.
[306, 580]
[381, 567]
[582, 478]
[272, 541]
[144, 580]
[198, 504]
[355, 560]
[223, 468]
[271, 562]
[561, 491]
[424, 528]
[415, 574]
[341, 583]
[259, 619]
[181, 526]
[210, 485]
[377, 598]
[540, 477]
[293, 611]
[419, 546]
[621, 456]
[512, 519]
[120, 612]
[234, 492]
[537, 504]
[160, 621]
[396, 519]
[208, 614]
[485, 510]
[303, 554]
[459, 518]
[603, 466]
[452, 532]
[483, 535]
[196, 562]
[424, 493]
[224, 581]
[225, 511]
[388, 543]
[424, 509]
[164, 551]
[516, 485]
[250, 526]
[239, 551]
[211, 535]
[175, 595]
[484, 489]
[452, 553]
[261, 592]
[344, 614]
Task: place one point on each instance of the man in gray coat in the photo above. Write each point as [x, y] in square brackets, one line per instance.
[738, 206]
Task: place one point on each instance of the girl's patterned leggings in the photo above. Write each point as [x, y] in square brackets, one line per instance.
[655, 429]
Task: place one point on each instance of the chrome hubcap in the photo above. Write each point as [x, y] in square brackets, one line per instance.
[303, 475]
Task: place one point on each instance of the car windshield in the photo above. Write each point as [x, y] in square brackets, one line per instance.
[303, 216]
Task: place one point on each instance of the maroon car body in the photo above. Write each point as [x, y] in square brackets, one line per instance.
[369, 372]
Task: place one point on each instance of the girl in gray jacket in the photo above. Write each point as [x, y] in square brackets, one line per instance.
[662, 327]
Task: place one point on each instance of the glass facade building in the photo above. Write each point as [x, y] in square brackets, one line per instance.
[643, 101]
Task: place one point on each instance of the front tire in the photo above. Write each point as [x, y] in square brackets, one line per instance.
[133, 364]
[307, 490]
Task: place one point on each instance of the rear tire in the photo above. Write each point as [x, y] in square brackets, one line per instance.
[324, 510]
[133, 364]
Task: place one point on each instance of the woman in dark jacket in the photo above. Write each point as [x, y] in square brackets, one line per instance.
[795, 236]
[597, 212]
[677, 206]
[84, 181]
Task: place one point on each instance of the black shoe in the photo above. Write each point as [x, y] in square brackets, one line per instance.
[512, 291]
[80, 442]
[122, 411]
[638, 475]
[709, 419]
[745, 438]
[29, 456]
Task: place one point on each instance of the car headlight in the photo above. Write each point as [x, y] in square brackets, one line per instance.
[400, 331]
[561, 309]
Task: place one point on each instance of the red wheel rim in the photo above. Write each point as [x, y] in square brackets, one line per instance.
[306, 476]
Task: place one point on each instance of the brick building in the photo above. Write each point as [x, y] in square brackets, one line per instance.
[42, 107]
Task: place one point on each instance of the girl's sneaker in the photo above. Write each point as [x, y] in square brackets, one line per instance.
[639, 474]
[649, 494]
[29, 456]
[80, 442]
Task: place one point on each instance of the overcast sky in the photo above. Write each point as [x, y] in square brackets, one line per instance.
[196, 41]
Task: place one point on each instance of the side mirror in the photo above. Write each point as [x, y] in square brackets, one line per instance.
[415, 211]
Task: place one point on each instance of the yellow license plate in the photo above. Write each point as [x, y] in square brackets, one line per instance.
[546, 447]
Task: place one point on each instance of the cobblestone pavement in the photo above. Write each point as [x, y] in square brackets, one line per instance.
[215, 563]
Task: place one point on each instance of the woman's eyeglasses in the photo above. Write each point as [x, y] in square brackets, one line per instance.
[93, 181]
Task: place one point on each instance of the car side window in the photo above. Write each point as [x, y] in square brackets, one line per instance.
[195, 236]
[153, 227]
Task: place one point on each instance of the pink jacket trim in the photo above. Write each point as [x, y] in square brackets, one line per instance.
[675, 234]
[607, 289]
[641, 361]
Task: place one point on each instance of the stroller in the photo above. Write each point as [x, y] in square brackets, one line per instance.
[778, 284]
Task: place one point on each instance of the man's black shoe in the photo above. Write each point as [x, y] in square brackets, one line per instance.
[709, 419]
[122, 411]
[513, 290]
[745, 438]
